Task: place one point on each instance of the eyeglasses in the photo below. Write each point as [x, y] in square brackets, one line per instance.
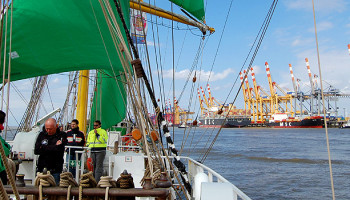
[95, 125]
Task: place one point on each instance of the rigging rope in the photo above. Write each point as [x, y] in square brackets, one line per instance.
[265, 25]
[324, 110]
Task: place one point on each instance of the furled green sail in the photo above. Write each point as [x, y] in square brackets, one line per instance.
[195, 7]
[50, 36]
[111, 92]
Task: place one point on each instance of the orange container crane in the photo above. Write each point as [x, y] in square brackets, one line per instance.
[205, 98]
[201, 103]
[243, 91]
[257, 115]
[249, 91]
[311, 85]
[273, 98]
[211, 103]
[295, 89]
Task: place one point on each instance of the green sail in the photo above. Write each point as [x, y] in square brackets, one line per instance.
[111, 92]
[195, 7]
[50, 37]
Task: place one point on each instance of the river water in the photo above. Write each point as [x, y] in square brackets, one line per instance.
[267, 163]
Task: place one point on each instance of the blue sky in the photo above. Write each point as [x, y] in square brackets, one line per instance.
[289, 40]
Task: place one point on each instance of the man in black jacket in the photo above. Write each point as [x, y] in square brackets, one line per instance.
[74, 138]
[50, 147]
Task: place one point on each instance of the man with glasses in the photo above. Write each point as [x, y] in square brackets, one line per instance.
[97, 142]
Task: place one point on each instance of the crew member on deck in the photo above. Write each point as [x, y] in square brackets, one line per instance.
[50, 147]
[97, 142]
[6, 146]
[74, 138]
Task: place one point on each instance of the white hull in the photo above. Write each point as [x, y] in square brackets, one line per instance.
[206, 183]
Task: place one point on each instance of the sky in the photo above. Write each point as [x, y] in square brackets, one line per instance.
[290, 39]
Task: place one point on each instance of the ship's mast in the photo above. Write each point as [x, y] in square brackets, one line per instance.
[83, 91]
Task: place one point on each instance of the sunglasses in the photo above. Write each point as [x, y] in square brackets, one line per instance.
[95, 125]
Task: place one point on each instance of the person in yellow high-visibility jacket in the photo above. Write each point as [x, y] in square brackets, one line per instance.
[97, 142]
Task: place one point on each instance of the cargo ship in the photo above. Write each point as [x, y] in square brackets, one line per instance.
[215, 114]
[230, 122]
[281, 120]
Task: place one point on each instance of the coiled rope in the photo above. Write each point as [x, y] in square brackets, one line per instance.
[107, 182]
[125, 181]
[67, 180]
[155, 175]
[86, 181]
[44, 180]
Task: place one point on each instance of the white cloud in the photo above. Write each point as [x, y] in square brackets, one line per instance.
[56, 80]
[204, 75]
[320, 5]
[322, 26]
[296, 42]
[334, 68]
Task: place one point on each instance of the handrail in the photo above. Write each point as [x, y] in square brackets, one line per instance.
[222, 179]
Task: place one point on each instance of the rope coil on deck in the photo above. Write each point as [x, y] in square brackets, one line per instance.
[86, 181]
[125, 181]
[107, 182]
[67, 180]
[44, 180]
[156, 172]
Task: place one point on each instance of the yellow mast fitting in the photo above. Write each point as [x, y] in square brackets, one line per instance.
[83, 91]
[145, 7]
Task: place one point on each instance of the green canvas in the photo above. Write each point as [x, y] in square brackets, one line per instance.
[50, 37]
[195, 7]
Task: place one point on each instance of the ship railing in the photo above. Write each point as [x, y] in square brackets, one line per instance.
[194, 167]
[122, 143]
[81, 155]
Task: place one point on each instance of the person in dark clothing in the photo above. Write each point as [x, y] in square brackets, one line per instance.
[6, 146]
[74, 138]
[50, 147]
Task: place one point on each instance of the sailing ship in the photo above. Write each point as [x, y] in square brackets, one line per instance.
[49, 37]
